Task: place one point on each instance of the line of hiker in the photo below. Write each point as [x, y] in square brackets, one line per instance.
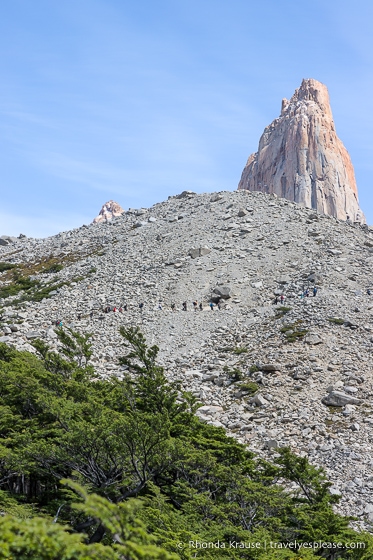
[196, 306]
[184, 307]
[306, 292]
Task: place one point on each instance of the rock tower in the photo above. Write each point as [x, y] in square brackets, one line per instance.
[301, 158]
[109, 211]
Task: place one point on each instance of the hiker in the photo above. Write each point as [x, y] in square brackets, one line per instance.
[200, 306]
[114, 309]
[276, 300]
[79, 316]
[211, 306]
[173, 306]
[91, 315]
[195, 305]
[124, 307]
[314, 291]
[219, 305]
[160, 305]
[141, 306]
[60, 324]
[184, 306]
[369, 292]
[282, 298]
[120, 310]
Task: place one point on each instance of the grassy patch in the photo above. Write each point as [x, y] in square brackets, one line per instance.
[336, 320]
[253, 368]
[240, 350]
[19, 284]
[47, 265]
[32, 290]
[77, 279]
[53, 268]
[296, 335]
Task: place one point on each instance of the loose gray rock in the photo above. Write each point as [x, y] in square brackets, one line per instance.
[224, 292]
[338, 398]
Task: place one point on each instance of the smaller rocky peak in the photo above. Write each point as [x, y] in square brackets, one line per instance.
[109, 210]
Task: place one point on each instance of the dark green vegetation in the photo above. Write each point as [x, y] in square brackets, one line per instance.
[249, 387]
[28, 289]
[6, 266]
[336, 321]
[240, 350]
[235, 374]
[293, 331]
[53, 268]
[281, 311]
[124, 470]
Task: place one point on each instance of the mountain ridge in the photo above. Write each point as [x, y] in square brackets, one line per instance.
[263, 371]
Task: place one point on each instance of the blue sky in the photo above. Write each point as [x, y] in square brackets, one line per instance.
[136, 101]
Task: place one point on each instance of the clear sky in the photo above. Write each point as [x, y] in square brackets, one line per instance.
[136, 100]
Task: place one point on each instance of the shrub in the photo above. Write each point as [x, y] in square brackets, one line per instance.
[281, 311]
[234, 374]
[249, 387]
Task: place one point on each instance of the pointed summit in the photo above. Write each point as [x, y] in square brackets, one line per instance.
[109, 211]
[301, 158]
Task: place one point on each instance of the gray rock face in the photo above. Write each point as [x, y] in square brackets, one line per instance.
[301, 158]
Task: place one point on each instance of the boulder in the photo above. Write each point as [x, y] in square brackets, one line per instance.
[32, 334]
[185, 194]
[223, 292]
[313, 339]
[259, 400]
[271, 444]
[270, 367]
[339, 398]
[196, 252]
